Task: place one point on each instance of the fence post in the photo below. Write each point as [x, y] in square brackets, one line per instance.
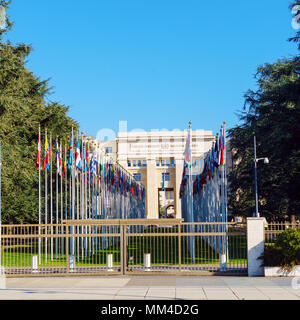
[255, 246]
[179, 246]
[123, 248]
[67, 248]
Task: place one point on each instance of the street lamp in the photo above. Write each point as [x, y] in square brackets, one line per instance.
[266, 161]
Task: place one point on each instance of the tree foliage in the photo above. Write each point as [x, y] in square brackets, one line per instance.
[272, 113]
[24, 105]
[295, 5]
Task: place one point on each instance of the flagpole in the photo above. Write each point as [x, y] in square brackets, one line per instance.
[226, 191]
[46, 205]
[51, 199]
[39, 159]
[191, 172]
[0, 205]
[73, 194]
[61, 194]
[77, 198]
[66, 193]
[56, 197]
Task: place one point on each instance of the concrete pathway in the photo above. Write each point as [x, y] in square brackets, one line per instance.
[150, 287]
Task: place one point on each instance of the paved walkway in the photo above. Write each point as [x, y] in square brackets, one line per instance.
[150, 287]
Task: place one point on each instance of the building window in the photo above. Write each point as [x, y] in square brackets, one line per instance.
[169, 195]
[139, 163]
[129, 163]
[144, 163]
[137, 176]
[162, 163]
[172, 163]
[166, 176]
[133, 163]
[168, 163]
[108, 150]
[157, 163]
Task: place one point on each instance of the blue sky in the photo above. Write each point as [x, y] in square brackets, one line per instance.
[156, 64]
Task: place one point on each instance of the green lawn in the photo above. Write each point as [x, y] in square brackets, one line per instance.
[163, 250]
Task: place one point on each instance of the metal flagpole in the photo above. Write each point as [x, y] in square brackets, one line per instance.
[66, 183]
[73, 195]
[40, 220]
[61, 193]
[70, 208]
[222, 189]
[56, 196]
[77, 198]
[46, 207]
[66, 192]
[0, 206]
[89, 201]
[51, 199]
[255, 179]
[190, 191]
[191, 173]
[226, 190]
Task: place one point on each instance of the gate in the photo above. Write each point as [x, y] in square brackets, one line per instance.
[115, 247]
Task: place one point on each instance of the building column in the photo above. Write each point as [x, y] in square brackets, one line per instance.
[178, 178]
[151, 191]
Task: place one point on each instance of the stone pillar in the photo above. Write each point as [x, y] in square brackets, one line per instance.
[178, 178]
[152, 193]
[255, 246]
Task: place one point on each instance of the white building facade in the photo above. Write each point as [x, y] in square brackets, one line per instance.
[156, 159]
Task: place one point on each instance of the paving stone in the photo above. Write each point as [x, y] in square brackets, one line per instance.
[190, 293]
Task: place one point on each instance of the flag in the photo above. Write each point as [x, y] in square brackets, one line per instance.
[46, 155]
[65, 164]
[187, 162]
[37, 164]
[70, 162]
[222, 148]
[81, 156]
[216, 158]
[163, 185]
[78, 158]
[86, 155]
[58, 159]
[188, 151]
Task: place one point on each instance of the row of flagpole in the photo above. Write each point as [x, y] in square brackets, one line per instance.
[89, 186]
[204, 197]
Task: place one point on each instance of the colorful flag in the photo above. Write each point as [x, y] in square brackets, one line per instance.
[58, 159]
[78, 158]
[37, 164]
[70, 162]
[188, 151]
[46, 155]
[163, 184]
[222, 147]
[65, 164]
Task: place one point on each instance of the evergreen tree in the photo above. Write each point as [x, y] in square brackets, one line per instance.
[23, 107]
[272, 113]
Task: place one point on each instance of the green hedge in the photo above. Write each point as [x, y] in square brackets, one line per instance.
[285, 252]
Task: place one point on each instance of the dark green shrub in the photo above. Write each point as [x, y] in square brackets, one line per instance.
[285, 252]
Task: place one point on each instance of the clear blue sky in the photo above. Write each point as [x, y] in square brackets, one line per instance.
[155, 63]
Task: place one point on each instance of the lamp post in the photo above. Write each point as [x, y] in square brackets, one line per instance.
[266, 161]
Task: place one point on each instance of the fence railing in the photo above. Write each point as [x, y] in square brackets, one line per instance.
[123, 246]
[274, 228]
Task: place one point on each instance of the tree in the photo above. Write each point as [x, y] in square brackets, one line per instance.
[23, 107]
[273, 114]
[295, 6]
